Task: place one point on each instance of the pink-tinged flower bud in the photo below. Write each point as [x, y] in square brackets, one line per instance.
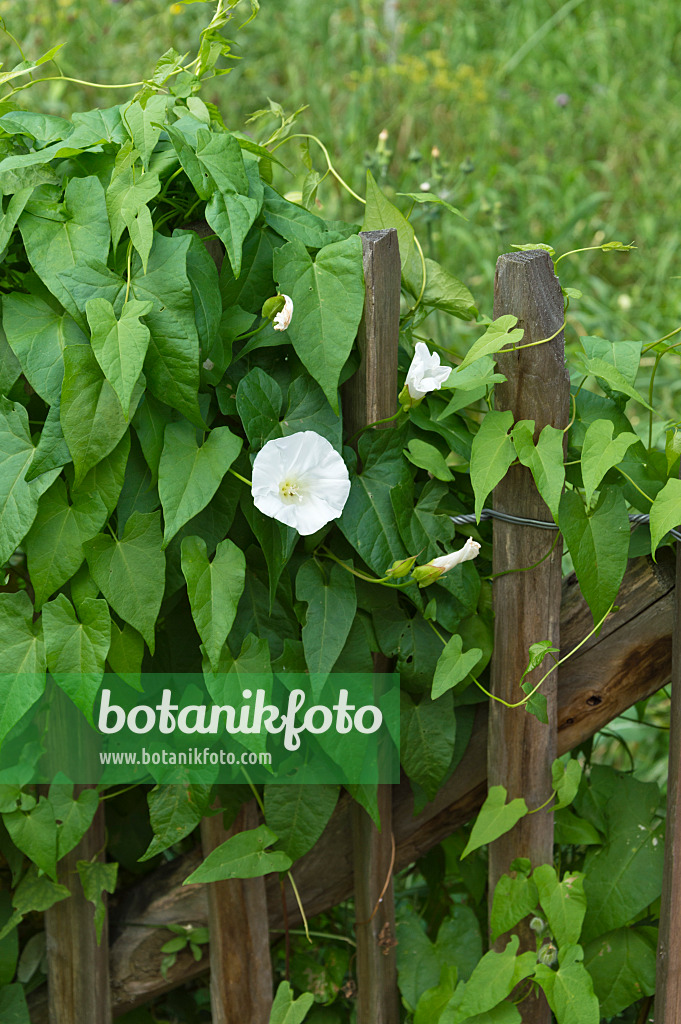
[435, 153]
[383, 135]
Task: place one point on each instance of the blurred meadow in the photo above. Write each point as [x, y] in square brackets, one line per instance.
[540, 122]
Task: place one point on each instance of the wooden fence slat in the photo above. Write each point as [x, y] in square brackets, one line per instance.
[78, 968]
[527, 604]
[628, 661]
[370, 395]
[668, 987]
[240, 963]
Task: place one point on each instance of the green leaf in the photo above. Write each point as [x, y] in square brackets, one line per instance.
[73, 817]
[286, 1009]
[131, 572]
[307, 409]
[37, 892]
[491, 455]
[125, 654]
[445, 292]
[231, 215]
[428, 197]
[420, 962]
[35, 834]
[205, 285]
[299, 815]
[569, 993]
[97, 877]
[514, 899]
[214, 590]
[119, 344]
[294, 223]
[9, 946]
[453, 665]
[665, 513]
[92, 419]
[126, 201]
[13, 1005]
[624, 876]
[368, 520]
[220, 154]
[78, 234]
[328, 301]
[495, 818]
[490, 983]
[276, 539]
[433, 1001]
[54, 544]
[331, 606]
[174, 812]
[499, 334]
[625, 356]
[143, 124]
[38, 336]
[172, 363]
[565, 779]
[608, 376]
[189, 476]
[544, 460]
[573, 831]
[22, 680]
[258, 401]
[150, 421]
[244, 855]
[76, 650]
[105, 480]
[52, 451]
[598, 544]
[380, 213]
[622, 967]
[601, 452]
[563, 902]
[427, 735]
[427, 456]
[18, 499]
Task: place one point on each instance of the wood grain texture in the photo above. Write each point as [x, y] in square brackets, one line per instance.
[370, 395]
[521, 749]
[628, 661]
[78, 968]
[668, 988]
[240, 965]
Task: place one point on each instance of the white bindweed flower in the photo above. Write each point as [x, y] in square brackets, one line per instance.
[470, 550]
[425, 373]
[431, 571]
[283, 319]
[301, 481]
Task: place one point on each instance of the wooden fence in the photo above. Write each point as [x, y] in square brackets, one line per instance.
[629, 660]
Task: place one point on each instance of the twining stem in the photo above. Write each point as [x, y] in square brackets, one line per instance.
[633, 484]
[587, 248]
[332, 170]
[290, 876]
[240, 477]
[108, 796]
[525, 699]
[542, 341]
[659, 341]
[362, 576]
[376, 423]
[526, 568]
[542, 806]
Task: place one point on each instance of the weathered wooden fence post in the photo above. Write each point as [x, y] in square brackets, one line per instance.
[77, 966]
[526, 604]
[668, 988]
[240, 964]
[371, 395]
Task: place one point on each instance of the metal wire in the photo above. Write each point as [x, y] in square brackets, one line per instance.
[490, 513]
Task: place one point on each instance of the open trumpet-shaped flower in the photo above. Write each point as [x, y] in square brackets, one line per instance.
[301, 481]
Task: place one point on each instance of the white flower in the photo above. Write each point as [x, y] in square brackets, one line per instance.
[425, 373]
[446, 562]
[283, 319]
[425, 186]
[300, 480]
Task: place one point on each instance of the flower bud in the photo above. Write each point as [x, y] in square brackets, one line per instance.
[427, 574]
[401, 568]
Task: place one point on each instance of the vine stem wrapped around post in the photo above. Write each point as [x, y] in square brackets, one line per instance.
[520, 748]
